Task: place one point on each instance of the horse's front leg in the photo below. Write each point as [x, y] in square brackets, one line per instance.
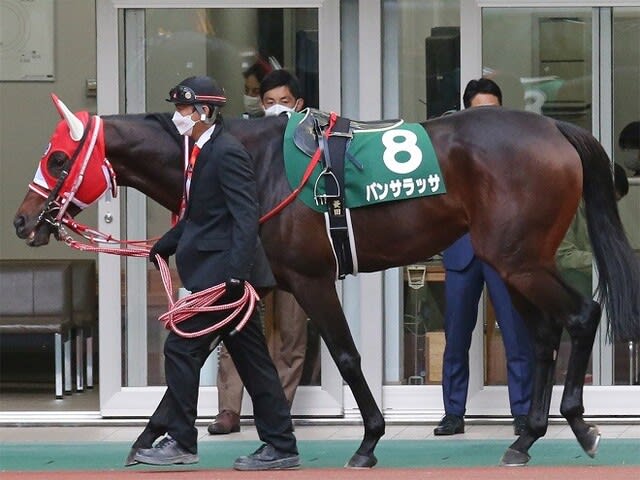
[546, 336]
[582, 329]
[320, 301]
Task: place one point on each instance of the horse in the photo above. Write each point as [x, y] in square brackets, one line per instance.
[514, 180]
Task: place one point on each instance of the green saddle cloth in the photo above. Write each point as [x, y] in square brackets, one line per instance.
[398, 163]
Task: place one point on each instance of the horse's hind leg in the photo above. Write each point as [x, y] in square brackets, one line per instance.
[542, 288]
[582, 329]
[546, 336]
[321, 303]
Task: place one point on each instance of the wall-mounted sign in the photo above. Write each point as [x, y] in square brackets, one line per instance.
[26, 40]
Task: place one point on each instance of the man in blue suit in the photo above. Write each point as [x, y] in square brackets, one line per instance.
[464, 281]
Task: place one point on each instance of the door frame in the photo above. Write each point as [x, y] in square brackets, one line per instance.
[424, 403]
[116, 400]
[604, 399]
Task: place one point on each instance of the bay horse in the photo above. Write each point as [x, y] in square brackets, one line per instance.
[514, 181]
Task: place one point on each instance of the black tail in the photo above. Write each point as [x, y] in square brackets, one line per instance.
[618, 265]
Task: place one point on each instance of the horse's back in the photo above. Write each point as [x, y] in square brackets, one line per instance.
[513, 173]
[489, 148]
[504, 171]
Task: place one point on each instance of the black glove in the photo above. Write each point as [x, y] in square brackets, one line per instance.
[234, 289]
[158, 249]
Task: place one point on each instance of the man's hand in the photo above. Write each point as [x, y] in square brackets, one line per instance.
[159, 249]
[234, 289]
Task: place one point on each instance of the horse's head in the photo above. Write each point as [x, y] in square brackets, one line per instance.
[72, 174]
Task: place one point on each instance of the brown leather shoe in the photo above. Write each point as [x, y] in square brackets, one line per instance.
[226, 422]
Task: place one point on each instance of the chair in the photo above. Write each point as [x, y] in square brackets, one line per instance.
[36, 298]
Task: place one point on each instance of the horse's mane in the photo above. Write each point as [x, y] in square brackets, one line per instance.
[261, 137]
[164, 120]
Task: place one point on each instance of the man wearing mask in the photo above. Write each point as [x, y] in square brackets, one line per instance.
[280, 92]
[287, 335]
[253, 76]
[215, 242]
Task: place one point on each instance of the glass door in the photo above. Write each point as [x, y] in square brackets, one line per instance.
[570, 63]
[421, 80]
[153, 49]
[545, 69]
[625, 139]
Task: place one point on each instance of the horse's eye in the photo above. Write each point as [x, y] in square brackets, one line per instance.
[55, 163]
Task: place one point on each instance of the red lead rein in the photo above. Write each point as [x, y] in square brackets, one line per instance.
[184, 308]
[201, 302]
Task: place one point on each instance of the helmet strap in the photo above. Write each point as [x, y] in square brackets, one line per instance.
[215, 110]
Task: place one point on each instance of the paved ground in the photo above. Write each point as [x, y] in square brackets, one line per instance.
[407, 451]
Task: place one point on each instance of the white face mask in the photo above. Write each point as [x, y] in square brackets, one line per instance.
[253, 106]
[184, 124]
[276, 109]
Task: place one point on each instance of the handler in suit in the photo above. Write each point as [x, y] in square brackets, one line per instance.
[215, 242]
[279, 92]
[464, 281]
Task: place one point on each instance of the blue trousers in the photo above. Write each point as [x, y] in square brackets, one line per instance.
[462, 292]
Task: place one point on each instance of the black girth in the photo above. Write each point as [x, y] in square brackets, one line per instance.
[334, 149]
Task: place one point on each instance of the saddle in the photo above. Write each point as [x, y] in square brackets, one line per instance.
[305, 136]
[385, 160]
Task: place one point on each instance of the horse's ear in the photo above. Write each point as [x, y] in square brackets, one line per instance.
[76, 128]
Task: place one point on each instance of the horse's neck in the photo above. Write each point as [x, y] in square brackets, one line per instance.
[263, 140]
[145, 156]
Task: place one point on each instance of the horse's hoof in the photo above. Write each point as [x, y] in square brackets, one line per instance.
[361, 461]
[130, 458]
[590, 441]
[514, 458]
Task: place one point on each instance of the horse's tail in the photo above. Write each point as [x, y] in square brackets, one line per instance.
[618, 265]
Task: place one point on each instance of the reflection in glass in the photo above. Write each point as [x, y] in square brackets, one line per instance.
[423, 324]
[626, 110]
[545, 66]
[421, 79]
[222, 43]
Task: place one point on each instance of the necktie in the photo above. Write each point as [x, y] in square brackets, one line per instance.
[187, 179]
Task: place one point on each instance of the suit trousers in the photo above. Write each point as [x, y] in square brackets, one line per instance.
[462, 292]
[184, 357]
[287, 344]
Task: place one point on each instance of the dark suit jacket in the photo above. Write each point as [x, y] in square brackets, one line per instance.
[217, 238]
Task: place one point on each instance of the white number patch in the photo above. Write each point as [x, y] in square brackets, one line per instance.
[407, 144]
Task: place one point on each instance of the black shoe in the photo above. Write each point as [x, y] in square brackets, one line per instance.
[166, 452]
[450, 425]
[520, 423]
[267, 457]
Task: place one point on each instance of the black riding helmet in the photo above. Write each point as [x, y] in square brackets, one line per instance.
[198, 91]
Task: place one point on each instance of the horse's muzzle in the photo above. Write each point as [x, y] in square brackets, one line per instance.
[35, 237]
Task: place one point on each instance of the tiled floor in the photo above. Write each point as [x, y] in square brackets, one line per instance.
[474, 431]
[29, 430]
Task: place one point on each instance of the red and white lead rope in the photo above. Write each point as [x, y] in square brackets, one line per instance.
[203, 302]
[186, 307]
